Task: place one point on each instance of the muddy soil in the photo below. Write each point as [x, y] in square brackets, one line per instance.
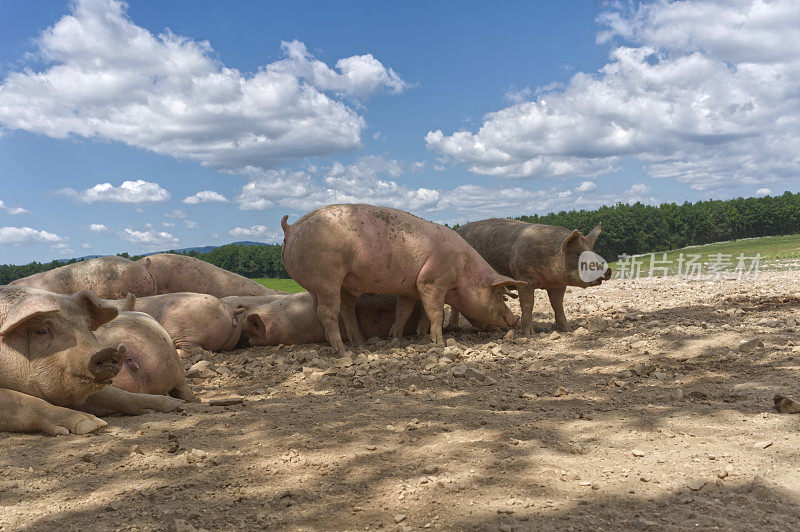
[648, 415]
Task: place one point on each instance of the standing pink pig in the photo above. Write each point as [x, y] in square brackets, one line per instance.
[339, 252]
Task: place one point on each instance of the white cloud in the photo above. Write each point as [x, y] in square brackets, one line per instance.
[369, 179]
[11, 210]
[62, 249]
[138, 191]
[148, 238]
[177, 213]
[204, 197]
[86, 245]
[21, 235]
[105, 77]
[703, 92]
[260, 231]
[167, 224]
[763, 192]
[190, 224]
[586, 186]
[514, 96]
[98, 228]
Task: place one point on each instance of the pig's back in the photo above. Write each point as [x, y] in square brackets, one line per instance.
[496, 239]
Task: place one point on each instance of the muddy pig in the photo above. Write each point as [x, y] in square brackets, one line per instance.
[339, 252]
[107, 277]
[546, 256]
[180, 273]
[150, 363]
[195, 322]
[52, 364]
[291, 320]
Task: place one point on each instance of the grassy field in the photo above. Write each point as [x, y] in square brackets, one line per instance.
[776, 253]
[285, 285]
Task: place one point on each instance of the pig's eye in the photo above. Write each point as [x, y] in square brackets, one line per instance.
[42, 331]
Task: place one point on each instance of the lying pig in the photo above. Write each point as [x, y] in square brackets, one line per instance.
[292, 320]
[107, 277]
[150, 363]
[52, 365]
[248, 303]
[339, 252]
[545, 256]
[195, 322]
[180, 273]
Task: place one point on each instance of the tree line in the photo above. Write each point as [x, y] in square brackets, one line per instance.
[627, 228]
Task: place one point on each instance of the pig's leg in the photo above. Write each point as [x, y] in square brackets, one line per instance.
[347, 308]
[328, 314]
[183, 393]
[423, 325]
[403, 309]
[526, 297]
[24, 413]
[111, 400]
[454, 318]
[433, 303]
[556, 296]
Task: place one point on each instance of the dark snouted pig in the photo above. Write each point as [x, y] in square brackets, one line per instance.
[180, 273]
[292, 320]
[546, 256]
[339, 252]
[52, 364]
[106, 277]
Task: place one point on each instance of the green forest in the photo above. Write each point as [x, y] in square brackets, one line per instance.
[630, 229]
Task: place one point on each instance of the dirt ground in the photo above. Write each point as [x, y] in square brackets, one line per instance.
[649, 415]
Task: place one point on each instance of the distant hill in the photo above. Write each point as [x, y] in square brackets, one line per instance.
[199, 249]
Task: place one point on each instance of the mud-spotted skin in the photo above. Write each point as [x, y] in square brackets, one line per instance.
[180, 273]
[195, 322]
[545, 256]
[106, 277]
[52, 364]
[150, 363]
[339, 252]
[292, 320]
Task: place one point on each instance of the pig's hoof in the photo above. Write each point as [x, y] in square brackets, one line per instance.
[72, 422]
[528, 330]
[167, 403]
[563, 328]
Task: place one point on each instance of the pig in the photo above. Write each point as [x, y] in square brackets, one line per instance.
[197, 323]
[106, 277]
[55, 375]
[150, 363]
[250, 302]
[180, 273]
[339, 252]
[292, 320]
[545, 256]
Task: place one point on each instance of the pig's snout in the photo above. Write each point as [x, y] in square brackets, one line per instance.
[513, 321]
[106, 363]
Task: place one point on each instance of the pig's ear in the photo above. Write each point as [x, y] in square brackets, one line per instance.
[570, 241]
[591, 237]
[26, 309]
[147, 263]
[99, 312]
[255, 322]
[501, 281]
[238, 310]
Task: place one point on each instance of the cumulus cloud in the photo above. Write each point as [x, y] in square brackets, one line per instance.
[105, 77]
[148, 238]
[22, 235]
[703, 92]
[256, 231]
[11, 210]
[138, 191]
[177, 213]
[763, 192]
[370, 179]
[98, 228]
[586, 186]
[204, 196]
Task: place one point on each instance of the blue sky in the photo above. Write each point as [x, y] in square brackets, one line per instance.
[155, 125]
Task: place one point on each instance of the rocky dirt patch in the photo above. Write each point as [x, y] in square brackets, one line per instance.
[656, 412]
